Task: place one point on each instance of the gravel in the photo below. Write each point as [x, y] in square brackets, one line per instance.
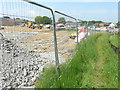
[19, 67]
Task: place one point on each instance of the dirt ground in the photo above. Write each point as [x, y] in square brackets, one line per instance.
[24, 29]
[44, 40]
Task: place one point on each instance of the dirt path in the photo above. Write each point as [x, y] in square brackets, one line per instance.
[98, 78]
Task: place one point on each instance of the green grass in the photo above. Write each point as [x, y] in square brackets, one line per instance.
[66, 30]
[107, 64]
[114, 39]
[70, 30]
[81, 70]
[111, 63]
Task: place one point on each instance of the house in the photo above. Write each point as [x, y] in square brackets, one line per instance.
[6, 22]
[103, 24]
[18, 21]
[70, 25]
[112, 25]
[10, 22]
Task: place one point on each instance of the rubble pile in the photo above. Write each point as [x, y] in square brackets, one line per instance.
[20, 67]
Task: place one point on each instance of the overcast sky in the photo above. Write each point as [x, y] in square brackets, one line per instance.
[104, 10]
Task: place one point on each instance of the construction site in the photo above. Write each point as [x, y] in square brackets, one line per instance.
[32, 41]
[39, 40]
[31, 50]
[46, 48]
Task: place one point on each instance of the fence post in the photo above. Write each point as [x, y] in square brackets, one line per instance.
[77, 32]
[55, 44]
[75, 22]
[54, 29]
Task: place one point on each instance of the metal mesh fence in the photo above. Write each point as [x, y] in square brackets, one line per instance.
[26, 45]
[31, 40]
[66, 32]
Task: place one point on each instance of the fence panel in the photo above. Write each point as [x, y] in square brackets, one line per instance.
[27, 45]
[66, 31]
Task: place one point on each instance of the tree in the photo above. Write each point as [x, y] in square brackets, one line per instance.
[94, 22]
[83, 22]
[46, 20]
[7, 17]
[38, 20]
[26, 21]
[43, 20]
[90, 22]
[62, 20]
[18, 18]
[69, 22]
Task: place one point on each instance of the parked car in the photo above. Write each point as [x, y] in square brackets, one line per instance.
[60, 27]
[1, 27]
[48, 26]
[73, 35]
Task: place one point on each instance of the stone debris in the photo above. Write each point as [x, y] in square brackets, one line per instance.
[20, 67]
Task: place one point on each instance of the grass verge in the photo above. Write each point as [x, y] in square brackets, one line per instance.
[114, 39]
[81, 70]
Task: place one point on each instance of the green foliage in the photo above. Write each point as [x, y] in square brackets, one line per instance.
[62, 20]
[83, 22]
[51, 74]
[26, 21]
[69, 21]
[114, 39]
[46, 20]
[18, 18]
[79, 73]
[7, 17]
[73, 75]
[90, 22]
[110, 71]
[43, 20]
[94, 22]
[38, 20]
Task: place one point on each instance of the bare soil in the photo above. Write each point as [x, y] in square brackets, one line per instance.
[44, 41]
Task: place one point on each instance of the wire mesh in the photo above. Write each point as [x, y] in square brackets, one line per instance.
[28, 44]
[25, 50]
[66, 32]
